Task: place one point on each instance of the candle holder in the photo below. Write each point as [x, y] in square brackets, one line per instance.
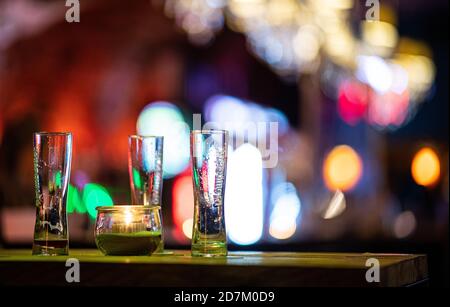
[128, 230]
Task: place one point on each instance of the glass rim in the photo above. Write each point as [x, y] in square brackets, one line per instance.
[209, 131]
[119, 207]
[53, 133]
[138, 136]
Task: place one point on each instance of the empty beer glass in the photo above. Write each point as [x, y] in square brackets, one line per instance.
[145, 167]
[52, 159]
[209, 165]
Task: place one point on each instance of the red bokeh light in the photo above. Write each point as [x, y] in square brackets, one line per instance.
[353, 99]
[183, 201]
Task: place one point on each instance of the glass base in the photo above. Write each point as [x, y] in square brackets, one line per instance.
[209, 249]
[51, 248]
[160, 248]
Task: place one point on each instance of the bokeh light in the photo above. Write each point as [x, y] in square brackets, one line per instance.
[286, 209]
[380, 35]
[183, 202]
[74, 203]
[342, 168]
[307, 43]
[80, 178]
[389, 110]
[415, 59]
[336, 206]
[58, 179]
[228, 112]
[199, 18]
[187, 227]
[404, 224]
[293, 37]
[246, 9]
[353, 99]
[136, 178]
[389, 104]
[244, 195]
[165, 119]
[426, 168]
[275, 115]
[341, 45]
[95, 195]
[376, 72]
[238, 116]
[282, 227]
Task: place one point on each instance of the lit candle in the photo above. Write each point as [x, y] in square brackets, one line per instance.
[127, 231]
[128, 220]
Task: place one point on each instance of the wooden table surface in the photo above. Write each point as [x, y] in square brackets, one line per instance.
[179, 269]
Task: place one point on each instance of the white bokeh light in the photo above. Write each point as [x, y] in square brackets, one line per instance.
[244, 195]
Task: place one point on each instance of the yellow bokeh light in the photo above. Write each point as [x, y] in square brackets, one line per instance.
[342, 168]
[341, 46]
[420, 70]
[282, 12]
[380, 34]
[426, 168]
[331, 4]
[306, 43]
[247, 8]
[414, 47]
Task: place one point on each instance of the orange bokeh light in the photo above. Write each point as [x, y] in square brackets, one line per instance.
[342, 168]
[426, 168]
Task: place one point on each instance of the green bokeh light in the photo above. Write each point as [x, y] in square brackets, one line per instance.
[136, 179]
[72, 198]
[74, 202]
[95, 195]
[58, 179]
[166, 119]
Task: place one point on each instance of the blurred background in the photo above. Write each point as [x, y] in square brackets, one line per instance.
[361, 108]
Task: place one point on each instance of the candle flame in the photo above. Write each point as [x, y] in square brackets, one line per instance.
[128, 217]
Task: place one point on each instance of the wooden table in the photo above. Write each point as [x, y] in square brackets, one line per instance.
[179, 269]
